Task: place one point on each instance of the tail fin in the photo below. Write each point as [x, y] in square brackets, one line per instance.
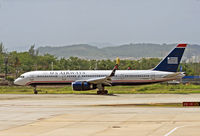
[172, 61]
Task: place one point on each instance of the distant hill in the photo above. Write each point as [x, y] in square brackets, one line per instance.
[130, 51]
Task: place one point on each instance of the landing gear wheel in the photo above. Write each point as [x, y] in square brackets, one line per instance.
[35, 92]
[98, 92]
[106, 92]
[102, 92]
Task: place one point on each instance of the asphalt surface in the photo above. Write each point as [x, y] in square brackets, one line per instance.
[93, 115]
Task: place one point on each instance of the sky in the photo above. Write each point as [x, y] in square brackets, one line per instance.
[99, 22]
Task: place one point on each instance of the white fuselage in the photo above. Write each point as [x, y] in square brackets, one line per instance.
[122, 77]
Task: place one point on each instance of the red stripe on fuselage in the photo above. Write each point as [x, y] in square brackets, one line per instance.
[114, 81]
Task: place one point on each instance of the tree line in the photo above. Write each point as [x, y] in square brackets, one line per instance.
[15, 63]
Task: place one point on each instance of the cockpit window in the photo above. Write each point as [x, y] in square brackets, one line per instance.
[21, 76]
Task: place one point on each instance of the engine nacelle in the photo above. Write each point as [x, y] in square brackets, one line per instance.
[83, 86]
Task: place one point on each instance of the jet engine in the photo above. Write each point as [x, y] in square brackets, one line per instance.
[83, 86]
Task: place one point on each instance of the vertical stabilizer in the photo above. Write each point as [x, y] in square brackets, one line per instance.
[172, 61]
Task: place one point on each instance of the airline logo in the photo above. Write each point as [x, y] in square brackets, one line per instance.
[172, 60]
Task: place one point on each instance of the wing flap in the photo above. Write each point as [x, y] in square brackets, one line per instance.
[102, 80]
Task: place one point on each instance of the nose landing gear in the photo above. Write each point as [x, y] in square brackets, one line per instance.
[35, 90]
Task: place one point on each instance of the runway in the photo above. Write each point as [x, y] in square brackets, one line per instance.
[93, 115]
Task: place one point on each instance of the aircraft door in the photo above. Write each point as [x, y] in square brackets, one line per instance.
[153, 76]
[64, 78]
[31, 78]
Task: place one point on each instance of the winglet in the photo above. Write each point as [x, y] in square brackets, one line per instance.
[117, 60]
[115, 68]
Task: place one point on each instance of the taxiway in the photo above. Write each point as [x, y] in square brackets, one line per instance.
[93, 115]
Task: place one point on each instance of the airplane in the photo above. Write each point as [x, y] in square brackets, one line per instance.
[82, 80]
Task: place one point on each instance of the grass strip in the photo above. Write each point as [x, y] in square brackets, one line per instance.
[144, 89]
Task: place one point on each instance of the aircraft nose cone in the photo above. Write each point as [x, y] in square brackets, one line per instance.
[18, 82]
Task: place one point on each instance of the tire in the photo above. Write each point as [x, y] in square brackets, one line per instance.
[106, 92]
[98, 92]
[35, 92]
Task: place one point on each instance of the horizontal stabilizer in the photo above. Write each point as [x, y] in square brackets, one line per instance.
[177, 74]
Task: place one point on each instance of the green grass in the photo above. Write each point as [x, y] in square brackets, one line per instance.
[145, 89]
[157, 88]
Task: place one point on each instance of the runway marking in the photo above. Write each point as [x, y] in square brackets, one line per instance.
[170, 132]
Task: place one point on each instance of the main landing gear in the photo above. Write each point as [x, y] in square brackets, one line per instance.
[101, 90]
[104, 92]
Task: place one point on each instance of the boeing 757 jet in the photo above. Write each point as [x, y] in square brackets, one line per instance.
[82, 80]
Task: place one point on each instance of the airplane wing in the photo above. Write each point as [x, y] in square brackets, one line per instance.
[107, 79]
[102, 80]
